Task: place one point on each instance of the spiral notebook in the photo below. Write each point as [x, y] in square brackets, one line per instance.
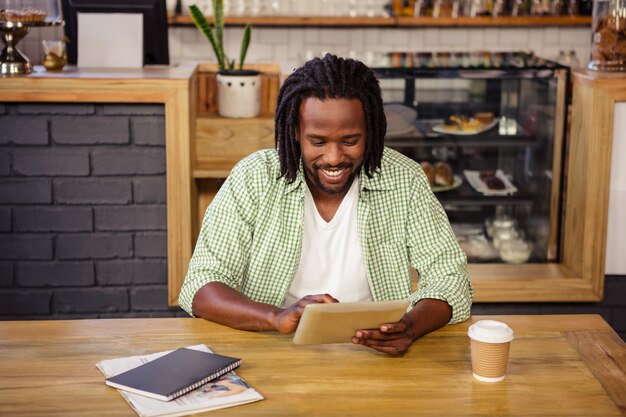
[174, 374]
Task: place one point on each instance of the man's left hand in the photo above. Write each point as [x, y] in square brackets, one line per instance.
[391, 338]
[395, 338]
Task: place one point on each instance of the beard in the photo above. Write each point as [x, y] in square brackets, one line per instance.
[339, 188]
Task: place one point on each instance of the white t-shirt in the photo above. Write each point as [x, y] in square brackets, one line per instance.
[331, 260]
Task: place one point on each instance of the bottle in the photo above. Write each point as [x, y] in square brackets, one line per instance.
[568, 58]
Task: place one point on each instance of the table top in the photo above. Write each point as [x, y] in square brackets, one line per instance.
[573, 365]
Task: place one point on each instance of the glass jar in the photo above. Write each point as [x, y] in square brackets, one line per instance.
[608, 36]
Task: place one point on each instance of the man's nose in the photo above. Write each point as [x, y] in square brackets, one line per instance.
[334, 156]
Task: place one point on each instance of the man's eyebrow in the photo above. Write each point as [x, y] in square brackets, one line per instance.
[350, 136]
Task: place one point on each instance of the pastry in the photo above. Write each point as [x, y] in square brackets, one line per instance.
[462, 123]
[23, 15]
[620, 48]
[490, 179]
[429, 170]
[609, 39]
[494, 183]
[485, 117]
[443, 174]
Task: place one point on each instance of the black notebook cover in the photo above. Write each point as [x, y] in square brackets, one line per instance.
[174, 374]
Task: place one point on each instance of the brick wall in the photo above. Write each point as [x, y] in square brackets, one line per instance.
[82, 211]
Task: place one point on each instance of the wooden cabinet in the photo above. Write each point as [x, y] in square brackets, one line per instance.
[578, 275]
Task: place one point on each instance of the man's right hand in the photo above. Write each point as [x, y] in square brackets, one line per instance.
[286, 321]
[219, 303]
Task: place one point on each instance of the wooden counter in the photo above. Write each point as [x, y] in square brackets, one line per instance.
[199, 163]
[559, 366]
[577, 276]
[176, 88]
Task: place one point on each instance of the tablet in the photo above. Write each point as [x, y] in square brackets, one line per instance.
[338, 322]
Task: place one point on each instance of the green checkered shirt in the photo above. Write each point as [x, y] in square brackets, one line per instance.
[251, 235]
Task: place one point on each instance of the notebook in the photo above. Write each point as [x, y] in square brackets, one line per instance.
[174, 374]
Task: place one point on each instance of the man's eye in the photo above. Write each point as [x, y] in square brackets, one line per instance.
[318, 143]
[350, 142]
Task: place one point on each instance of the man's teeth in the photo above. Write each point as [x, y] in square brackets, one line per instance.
[333, 173]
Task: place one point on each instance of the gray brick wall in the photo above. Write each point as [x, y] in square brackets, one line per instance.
[83, 211]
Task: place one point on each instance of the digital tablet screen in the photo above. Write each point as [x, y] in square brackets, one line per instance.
[338, 322]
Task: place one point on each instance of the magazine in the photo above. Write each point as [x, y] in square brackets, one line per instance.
[228, 391]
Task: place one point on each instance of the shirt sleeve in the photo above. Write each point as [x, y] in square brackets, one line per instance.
[222, 250]
[436, 255]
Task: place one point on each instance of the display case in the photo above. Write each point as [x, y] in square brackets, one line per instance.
[488, 129]
[567, 192]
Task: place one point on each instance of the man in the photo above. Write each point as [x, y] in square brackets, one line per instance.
[330, 215]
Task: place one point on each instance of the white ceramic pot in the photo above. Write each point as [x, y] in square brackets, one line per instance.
[238, 93]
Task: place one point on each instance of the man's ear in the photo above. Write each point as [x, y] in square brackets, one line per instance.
[296, 135]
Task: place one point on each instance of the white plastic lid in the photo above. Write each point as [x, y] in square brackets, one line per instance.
[490, 331]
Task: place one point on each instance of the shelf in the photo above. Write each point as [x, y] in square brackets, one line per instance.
[486, 21]
[295, 21]
[400, 22]
[466, 196]
[483, 141]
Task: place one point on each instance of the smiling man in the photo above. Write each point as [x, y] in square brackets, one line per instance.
[331, 215]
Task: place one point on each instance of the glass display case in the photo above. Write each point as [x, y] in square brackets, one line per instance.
[488, 129]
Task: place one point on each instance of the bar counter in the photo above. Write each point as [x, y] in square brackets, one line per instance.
[173, 86]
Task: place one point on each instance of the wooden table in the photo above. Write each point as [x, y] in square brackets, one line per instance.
[559, 365]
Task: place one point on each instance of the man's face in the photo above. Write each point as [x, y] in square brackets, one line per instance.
[332, 141]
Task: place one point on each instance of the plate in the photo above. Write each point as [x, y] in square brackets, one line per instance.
[473, 177]
[445, 129]
[455, 184]
[398, 133]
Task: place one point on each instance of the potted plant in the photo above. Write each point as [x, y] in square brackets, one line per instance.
[238, 90]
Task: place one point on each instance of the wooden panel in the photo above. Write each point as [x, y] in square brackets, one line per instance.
[270, 83]
[181, 213]
[346, 21]
[528, 282]
[588, 174]
[221, 143]
[560, 117]
[547, 372]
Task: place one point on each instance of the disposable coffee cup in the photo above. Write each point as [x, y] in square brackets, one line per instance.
[490, 341]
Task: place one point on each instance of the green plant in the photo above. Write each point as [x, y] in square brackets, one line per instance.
[217, 38]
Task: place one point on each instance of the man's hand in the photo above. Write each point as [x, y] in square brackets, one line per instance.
[395, 338]
[286, 321]
[391, 338]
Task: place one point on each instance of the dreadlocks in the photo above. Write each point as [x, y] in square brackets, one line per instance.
[334, 78]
